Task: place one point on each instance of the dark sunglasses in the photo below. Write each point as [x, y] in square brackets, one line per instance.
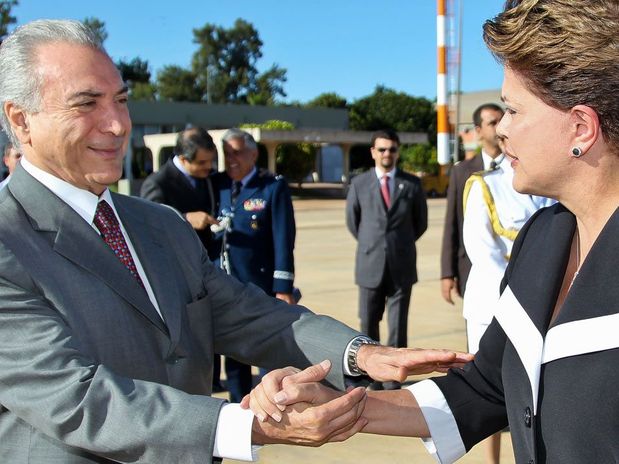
[390, 150]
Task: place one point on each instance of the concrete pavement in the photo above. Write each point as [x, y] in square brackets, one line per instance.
[324, 272]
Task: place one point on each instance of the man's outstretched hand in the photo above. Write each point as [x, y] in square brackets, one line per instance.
[384, 363]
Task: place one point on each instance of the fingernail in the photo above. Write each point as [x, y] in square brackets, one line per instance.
[261, 417]
[326, 364]
[277, 417]
[280, 397]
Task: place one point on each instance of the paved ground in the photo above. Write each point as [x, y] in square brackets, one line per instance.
[324, 262]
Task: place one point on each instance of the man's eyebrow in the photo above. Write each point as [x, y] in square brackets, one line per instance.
[95, 93]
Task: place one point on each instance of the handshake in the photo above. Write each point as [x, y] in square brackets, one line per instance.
[292, 406]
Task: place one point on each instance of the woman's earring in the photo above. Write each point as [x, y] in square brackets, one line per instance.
[577, 152]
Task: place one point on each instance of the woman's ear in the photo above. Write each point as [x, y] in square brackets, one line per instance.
[586, 127]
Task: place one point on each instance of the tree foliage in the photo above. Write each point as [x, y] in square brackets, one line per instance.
[175, 83]
[225, 65]
[6, 19]
[386, 108]
[134, 71]
[97, 26]
[137, 76]
[420, 157]
[327, 100]
[294, 161]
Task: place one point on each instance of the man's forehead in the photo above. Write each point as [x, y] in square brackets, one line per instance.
[382, 141]
[237, 142]
[489, 115]
[76, 68]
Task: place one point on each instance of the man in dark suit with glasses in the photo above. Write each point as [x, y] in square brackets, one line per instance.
[386, 212]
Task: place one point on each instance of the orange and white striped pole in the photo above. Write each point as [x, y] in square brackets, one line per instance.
[442, 123]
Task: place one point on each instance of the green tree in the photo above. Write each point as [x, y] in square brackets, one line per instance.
[143, 91]
[97, 26]
[268, 85]
[419, 157]
[6, 19]
[386, 108]
[294, 161]
[177, 84]
[225, 65]
[137, 76]
[134, 71]
[327, 100]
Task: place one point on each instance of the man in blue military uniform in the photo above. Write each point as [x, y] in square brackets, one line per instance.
[258, 232]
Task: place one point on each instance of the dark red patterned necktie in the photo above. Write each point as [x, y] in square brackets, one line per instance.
[384, 190]
[108, 225]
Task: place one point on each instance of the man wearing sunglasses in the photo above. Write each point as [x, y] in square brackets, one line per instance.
[386, 212]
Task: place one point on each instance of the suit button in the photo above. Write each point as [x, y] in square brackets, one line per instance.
[527, 416]
[173, 359]
[227, 246]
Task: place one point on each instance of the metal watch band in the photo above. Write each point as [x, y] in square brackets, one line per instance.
[352, 354]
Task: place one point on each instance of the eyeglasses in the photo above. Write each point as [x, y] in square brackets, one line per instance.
[390, 150]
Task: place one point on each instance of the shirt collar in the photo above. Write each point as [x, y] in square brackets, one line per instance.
[380, 173]
[245, 179]
[487, 159]
[81, 201]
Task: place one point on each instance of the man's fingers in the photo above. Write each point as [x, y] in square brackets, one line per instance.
[314, 373]
[345, 435]
[348, 417]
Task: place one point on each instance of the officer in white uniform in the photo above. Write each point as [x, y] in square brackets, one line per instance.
[494, 213]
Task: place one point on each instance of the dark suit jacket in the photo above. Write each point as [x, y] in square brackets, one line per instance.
[170, 187]
[260, 244]
[88, 370]
[555, 383]
[454, 261]
[386, 236]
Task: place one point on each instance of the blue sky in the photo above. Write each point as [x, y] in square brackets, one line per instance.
[342, 46]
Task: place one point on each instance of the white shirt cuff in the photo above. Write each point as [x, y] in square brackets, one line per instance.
[445, 443]
[233, 434]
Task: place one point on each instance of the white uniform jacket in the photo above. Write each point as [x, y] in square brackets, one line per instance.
[557, 385]
[494, 213]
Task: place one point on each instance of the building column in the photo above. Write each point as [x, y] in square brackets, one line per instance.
[345, 162]
[271, 147]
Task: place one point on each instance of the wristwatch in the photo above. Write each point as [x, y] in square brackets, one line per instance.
[352, 353]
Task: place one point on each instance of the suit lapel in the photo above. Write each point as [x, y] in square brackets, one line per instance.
[588, 320]
[155, 259]
[78, 242]
[398, 188]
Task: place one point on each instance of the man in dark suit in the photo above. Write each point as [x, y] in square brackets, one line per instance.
[183, 183]
[110, 310]
[386, 212]
[257, 246]
[455, 264]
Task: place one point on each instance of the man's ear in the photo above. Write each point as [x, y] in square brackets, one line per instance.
[18, 118]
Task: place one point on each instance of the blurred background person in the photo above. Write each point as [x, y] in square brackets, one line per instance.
[455, 264]
[10, 158]
[257, 246]
[386, 212]
[184, 183]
